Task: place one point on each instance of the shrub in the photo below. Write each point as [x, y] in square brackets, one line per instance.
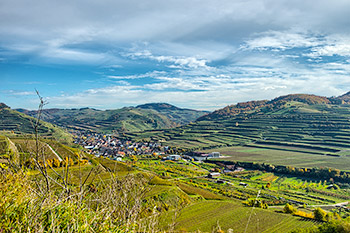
[320, 214]
[289, 209]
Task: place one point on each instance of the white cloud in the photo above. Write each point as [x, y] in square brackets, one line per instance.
[193, 53]
[182, 62]
[138, 76]
[282, 40]
[331, 50]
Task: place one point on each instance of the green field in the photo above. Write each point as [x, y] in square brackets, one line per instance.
[206, 215]
[282, 157]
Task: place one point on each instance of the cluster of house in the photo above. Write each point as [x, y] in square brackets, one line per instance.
[201, 156]
[193, 156]
[115, 148]
[112, 147]
[227, 169]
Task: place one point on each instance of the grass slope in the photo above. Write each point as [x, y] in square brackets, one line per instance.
[11, 120]
[232, 215]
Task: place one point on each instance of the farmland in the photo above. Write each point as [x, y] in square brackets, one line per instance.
[182, 192]
[283, 133]
[221, 203]
[283, 157]
[232, 215]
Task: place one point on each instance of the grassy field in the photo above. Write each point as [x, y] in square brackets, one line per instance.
[282, 157]
[232, 215]
[198, 191]
[28, 147]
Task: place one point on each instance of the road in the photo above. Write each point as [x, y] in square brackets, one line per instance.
[332, 205]
[313, 206]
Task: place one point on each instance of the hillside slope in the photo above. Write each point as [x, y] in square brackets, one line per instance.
[296, 122]
[11, 120]
[124, 119]
[180, 116]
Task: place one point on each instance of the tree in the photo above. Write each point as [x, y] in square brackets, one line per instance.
[320, 214]
[289, 209]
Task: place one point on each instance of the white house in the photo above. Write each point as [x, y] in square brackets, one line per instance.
[173, 157]
[214, 155]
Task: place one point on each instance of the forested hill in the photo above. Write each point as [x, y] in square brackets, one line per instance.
[180, 116]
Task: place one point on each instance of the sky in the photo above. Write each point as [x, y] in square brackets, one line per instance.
[203, 54]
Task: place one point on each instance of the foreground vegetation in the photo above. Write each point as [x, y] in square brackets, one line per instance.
[146, 193]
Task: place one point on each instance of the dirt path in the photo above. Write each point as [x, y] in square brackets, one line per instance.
[332, 205]
[58, 157]
[13, 147]
[311, 206]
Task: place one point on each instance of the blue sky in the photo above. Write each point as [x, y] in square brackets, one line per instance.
[196, 54]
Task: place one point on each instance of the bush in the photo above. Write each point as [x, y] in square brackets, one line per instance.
[320, 214]
[289, 209]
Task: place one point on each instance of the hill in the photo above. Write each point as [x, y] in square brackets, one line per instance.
[107, 121]
[265, 106]
[313, 129]
[180, 116]
[344, 98]
[11, 120]
[142, 117]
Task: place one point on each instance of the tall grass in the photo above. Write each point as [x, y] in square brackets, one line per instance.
[116, 206]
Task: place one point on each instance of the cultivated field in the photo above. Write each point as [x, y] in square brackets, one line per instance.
[207, 215]
[283, 157]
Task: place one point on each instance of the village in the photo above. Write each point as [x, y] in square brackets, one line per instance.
[112, 147]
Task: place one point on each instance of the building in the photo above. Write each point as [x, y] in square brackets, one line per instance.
[214, 155]
[173, 157]
[214, 174]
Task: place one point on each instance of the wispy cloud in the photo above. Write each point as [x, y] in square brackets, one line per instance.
[282, 40]
[19, 93]
[138, 76]
[175, 61]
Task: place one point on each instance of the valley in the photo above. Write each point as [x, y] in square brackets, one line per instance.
[291, 151]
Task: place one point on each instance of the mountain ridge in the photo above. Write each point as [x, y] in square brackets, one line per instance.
[181, 116]
[142, 117]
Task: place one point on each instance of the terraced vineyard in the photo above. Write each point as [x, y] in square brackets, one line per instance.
[323, 133]
[19, 123]
[232, 215]
[51, 149]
